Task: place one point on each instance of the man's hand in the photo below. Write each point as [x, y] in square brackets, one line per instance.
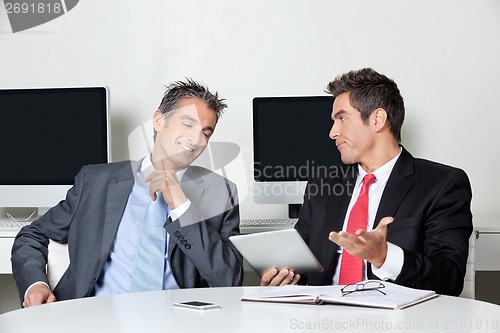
[273, 277]
[167, 183]
[38, 294]
[368, 245]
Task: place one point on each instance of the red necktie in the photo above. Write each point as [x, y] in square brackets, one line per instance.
[351, 268]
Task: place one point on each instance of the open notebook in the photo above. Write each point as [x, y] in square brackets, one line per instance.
[390, 296]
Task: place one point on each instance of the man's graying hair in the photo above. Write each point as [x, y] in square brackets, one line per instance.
[189, 88]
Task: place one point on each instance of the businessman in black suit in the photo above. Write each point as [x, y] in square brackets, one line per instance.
[103, 214]
[419, 219]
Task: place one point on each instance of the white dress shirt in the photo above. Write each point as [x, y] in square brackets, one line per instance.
[395, 256]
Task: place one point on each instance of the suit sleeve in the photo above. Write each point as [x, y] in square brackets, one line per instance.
[314, 223]
[203, 237]
[447, 225]
[30, 249]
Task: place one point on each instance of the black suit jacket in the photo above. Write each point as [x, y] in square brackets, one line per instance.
[430, 203]
[200, 252]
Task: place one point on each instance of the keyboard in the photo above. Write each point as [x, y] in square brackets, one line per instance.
[11, 228]
[248, 226]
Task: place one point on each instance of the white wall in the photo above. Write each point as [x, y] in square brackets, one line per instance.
[444, 54]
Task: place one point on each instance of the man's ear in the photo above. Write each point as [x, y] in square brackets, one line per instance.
[379, 119]
[158, 120]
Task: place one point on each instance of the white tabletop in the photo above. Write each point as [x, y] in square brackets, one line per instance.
[154, 312]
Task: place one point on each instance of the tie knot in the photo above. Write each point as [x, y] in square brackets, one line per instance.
[369, 179]
[156, 212]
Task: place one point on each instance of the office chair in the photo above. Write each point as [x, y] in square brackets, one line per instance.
[469, 290]
[57, 262]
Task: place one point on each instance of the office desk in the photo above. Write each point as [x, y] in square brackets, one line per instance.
[6, 242]
[154, 312]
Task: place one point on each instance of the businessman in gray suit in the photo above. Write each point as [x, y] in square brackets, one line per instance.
[103, 213]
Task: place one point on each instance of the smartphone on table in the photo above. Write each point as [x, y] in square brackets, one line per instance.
[197, 305]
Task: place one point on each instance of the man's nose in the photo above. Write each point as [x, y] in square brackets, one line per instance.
[333, 132]
[195, 136]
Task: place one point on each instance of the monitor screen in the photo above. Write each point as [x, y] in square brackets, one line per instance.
[291, 139]
[291, 143]
[48, 134]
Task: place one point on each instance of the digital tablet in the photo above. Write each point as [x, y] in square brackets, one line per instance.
[281, 249]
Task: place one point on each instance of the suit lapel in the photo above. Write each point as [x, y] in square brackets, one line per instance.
[193, 185]
[396, 188]
[118, 192]
[339, 201]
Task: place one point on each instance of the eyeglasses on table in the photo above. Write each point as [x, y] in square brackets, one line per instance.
[362, 286]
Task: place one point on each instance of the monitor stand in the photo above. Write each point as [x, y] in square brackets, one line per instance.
[293, 210]
[21, 214]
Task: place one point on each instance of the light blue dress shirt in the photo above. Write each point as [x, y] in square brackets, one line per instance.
[116, 277]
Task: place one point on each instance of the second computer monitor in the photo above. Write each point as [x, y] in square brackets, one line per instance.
[290, 144]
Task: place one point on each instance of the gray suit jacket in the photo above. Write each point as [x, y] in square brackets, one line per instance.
[200, 253]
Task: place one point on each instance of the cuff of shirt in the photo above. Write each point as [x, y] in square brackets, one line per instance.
[393, 263]
[26, 292]
[177, 212]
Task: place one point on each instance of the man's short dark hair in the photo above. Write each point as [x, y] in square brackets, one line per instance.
[369, 90]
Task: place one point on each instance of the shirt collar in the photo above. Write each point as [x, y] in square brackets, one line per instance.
[382, 174]
[147, 168]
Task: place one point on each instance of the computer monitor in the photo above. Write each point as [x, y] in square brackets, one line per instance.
[47, 135]
[290, 144]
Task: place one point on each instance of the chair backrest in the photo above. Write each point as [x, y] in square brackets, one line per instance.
[469, 290]
[57, 262]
